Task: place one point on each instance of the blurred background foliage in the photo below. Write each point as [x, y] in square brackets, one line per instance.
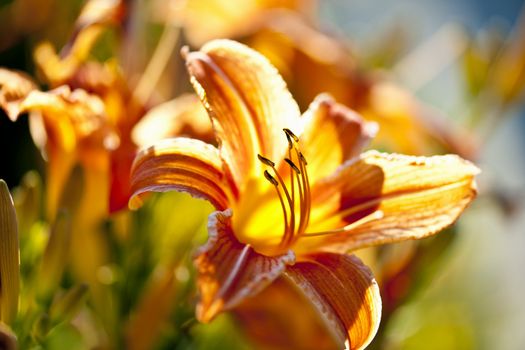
[439, 77]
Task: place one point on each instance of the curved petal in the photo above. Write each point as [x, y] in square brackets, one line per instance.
[281, 317]
[182, 116]
[230, 271]
[14, 87]
[68, 115]
[248, 102]
[330, 123]
[69, 127]
[345, 294]
[381, 198]
[181, 164]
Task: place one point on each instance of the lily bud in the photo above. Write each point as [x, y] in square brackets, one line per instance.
[9, 257]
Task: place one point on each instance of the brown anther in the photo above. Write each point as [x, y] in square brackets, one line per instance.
[302, 159]
[292, 165]
[270, 178]
[266, 161]
[289, 133]
[290, 141]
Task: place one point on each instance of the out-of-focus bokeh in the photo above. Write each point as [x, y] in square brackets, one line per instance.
[438, 77]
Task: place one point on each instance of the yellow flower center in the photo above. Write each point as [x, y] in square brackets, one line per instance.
[294, 197]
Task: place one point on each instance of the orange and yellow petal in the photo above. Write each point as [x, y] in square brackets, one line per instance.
[183, 116]
[383, 198]
[330, 123]
[248, 102]
[205, 20]
[344, 293]
[14, 87]
[182, 164]
[230, 271]
[281, 317]
[70, 127]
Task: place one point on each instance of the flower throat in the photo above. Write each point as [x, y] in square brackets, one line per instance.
[296, 206]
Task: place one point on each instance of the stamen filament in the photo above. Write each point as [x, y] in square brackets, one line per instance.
[290, 228]
[305, 202]
[292, 183]
[276, 184]
[297, 173]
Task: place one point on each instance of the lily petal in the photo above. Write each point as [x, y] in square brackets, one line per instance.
[68, 115]
[387, 198]
[248, 102]
[181, 164]
[281, 317]
[230, 271]
[14, 87]
[328, 122]
[68, 126]
[182, 116]
[345, 294]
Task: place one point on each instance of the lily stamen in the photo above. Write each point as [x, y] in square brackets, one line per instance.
[306, 202]
[290, 134]
[297, 163]
[295, 169]
[276, 184]
[288, 229]
[292, 165]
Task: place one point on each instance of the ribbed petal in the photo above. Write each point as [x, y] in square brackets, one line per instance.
[282, 317]
[389, 198]
[230, 271]
[330, 123]
[248, 102]
[345, 294]
[181, 164]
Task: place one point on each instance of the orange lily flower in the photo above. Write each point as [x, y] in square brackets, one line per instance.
[205, 20]
[294, 194]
